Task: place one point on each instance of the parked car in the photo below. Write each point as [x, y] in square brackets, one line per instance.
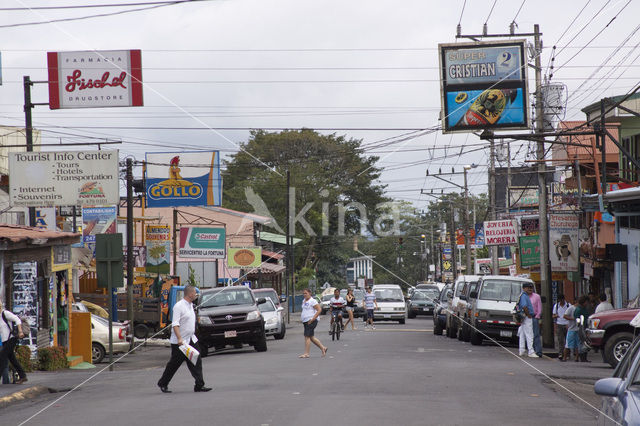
[268, 293]
[273, 322]
[422, 302]
[100, 338]
[458, 304]
[391, 303]
[440, 311]
[464, 308]
[230, 316]
[620, 393]
[612, 333]
[325, 300]
[358, 293]
[492, 307]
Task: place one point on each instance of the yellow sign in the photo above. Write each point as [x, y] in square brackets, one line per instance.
[244, 257]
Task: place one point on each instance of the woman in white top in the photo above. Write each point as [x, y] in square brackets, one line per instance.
[9, 341]
[311, 309]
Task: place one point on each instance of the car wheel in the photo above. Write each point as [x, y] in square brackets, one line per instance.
[466, 333]
[616, 347]
[453, 333]
[411, 315]
[97, 353]
[140, 331]
[476, 338]
[261, 344]
[437, 328]
[280, 335]
[460, 332]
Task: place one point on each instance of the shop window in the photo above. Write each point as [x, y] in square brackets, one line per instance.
[624, 221]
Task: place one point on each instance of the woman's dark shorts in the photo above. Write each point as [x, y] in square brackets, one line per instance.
[309, 326]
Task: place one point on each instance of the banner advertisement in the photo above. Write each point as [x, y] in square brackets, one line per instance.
[63, 178]
[95, 79]
[158, 238]
[25, 299]
[202, 243]
[46, 218]
[139, 256]
[483, 266]
[244, 257]
[563, 242]
[479, 235]
[98, 220]
[529, 251]
[484, 86]
[501, 233]
[183, 179]
[530, 225]
[523, 198]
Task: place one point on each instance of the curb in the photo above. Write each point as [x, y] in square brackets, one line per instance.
[24, 394]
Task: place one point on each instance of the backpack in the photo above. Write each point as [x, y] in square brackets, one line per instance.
[15, 329]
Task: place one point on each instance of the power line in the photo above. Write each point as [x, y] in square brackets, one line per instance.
[87, 6]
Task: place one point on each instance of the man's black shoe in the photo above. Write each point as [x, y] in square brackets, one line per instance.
[202, 389]
[164, 389]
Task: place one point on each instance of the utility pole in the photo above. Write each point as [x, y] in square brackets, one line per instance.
[452, 236]
[129, 175]
[545, 282]
[288, 258]
[28, 128]
[467, 231]
[495, 268]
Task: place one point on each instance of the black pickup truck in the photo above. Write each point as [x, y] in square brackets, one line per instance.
[230, 316]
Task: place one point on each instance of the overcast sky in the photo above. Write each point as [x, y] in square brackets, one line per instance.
[274, 63]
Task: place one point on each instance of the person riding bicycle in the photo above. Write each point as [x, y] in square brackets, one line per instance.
[336, 305]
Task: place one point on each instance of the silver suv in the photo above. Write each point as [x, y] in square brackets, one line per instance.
[492, 308]
[459, 304]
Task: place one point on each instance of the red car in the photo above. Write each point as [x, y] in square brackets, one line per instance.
[612, 333]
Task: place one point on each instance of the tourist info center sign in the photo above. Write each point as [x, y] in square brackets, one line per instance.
[64, 178]
[501, 233]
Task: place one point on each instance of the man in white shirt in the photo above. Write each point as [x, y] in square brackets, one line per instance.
[604, 305]
[561, 323]
[183, 328]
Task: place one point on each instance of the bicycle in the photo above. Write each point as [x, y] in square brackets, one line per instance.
[336, 327]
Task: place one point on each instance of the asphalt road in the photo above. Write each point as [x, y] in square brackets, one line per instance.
[395, 375]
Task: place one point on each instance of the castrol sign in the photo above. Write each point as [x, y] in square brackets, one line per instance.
[501, 233]
[95, 79]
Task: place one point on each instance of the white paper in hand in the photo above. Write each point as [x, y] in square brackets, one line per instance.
[190, 352]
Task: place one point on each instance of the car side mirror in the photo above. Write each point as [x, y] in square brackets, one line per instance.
[283, 299]
[473, 295]
[610, 386]
[449, 294]
[463, 297]
[280, 309]
[261, 300]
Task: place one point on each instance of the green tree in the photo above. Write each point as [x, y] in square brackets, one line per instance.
[327, 172]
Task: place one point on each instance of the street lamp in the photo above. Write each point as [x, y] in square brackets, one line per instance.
[467, 232]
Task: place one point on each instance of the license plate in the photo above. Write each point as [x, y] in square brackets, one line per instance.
[386, 316]
[231, 333]
[426, 309]
[505, 333]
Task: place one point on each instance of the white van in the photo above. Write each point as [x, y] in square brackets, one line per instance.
[391, 303]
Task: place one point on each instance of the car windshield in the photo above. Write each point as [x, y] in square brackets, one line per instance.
[358, 294]
[267, 306]
[500, 290]
[327, 297]
[428, 294]
[271, 294]
[389, 295]
[226, 296]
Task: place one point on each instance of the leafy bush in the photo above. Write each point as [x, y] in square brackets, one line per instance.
[23, 355]
[52, 358]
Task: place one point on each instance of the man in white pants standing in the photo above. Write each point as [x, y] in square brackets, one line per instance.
[526, 326]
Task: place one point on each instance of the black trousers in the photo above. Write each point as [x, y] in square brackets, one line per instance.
[8, 354]
[176, 360]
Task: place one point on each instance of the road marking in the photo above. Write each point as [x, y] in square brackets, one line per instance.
[511, 374]
[411, 330]
[420, 349]
[314, 374]
[296, 393]
[534, 395]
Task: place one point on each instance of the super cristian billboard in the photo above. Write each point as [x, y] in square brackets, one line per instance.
[483, 86]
